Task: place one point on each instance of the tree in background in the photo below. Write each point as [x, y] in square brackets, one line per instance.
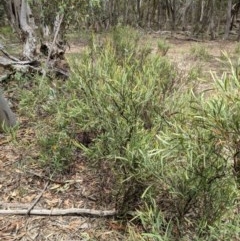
[48, 21]
[45, 22]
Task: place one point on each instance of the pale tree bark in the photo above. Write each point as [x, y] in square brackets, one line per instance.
[185, 10]
[212, 25]
[53, 49]
[228, 21]
[139, 13]
[173, 10]
[21, 19]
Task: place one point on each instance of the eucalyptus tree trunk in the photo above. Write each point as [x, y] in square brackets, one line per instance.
[173, 11]
[197, 7]
[228, 20]
[22, 20]
[184, 15]
[212, 25]
[159, 14]
[126, 11]
[139, 12]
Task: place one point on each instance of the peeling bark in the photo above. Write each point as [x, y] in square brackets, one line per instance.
[52, 48]
[22, 20]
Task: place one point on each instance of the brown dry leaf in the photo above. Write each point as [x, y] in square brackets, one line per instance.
[52, 202]
[74, 225]
[12, 156]
[47, 195]
[30, 198]
[80, 167]
[116, 226]
[86, 226]
[60, 187]
[14, 193]
[66, 203]
[13, 227]
[18, 171]
[55, 186]
[3, 141]
[74, 181]
[3, 158]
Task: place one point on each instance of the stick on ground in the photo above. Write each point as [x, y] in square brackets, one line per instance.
[38, 198]
[61, 212]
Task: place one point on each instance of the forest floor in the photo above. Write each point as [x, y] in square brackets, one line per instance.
[22, 181]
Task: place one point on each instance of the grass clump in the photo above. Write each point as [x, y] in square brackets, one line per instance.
[237, 49]
[45, 107]
[163, 47]
[195, 73]
[199, 52]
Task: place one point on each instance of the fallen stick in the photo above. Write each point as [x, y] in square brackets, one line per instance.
[61, 212]
[38, 198]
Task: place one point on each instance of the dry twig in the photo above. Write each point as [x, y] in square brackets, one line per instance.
[38, 198]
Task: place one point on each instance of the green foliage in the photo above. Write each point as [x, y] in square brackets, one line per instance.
[237, 49]
[168, 152]
[134, 105]
[45, 107]
[35, 101]
[122, 98]
[154, 220]
[6, 31]
[11, 131]
[56, 148]
[124, 41]
[195, 73]
[163, 47]
[200, 52]
[75, 12]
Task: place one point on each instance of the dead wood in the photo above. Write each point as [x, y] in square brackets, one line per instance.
[52, 49]
[38, 198]
[55, 67]
[13, 63]
[61, 212]
[7, 54]
[5, 62]
[58, 24]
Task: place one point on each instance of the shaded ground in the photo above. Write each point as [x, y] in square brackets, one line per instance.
[21, 180]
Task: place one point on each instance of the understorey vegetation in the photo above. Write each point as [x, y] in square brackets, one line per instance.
[170, 151]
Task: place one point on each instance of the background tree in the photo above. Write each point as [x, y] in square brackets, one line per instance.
[22, 21]
[48, 22]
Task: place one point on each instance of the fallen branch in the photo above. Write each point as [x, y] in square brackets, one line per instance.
[7, 54]
[29, 66]
[5, 62]
[38, 198]
[61, 212]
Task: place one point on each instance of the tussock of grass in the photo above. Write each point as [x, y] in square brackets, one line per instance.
[199, 52]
